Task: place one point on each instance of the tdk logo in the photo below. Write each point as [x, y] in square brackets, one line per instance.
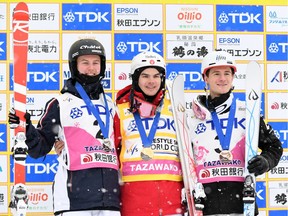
[191, 72]
[40, 76]
[129, 45]
[122, 47]
[277, 47]
[38, 170]
[239, 18]
[86, 16]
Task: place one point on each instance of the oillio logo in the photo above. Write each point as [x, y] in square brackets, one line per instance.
[35, 198]
[189, 17]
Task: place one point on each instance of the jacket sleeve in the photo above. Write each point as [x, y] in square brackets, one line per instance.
[270, 145]
[40, 140]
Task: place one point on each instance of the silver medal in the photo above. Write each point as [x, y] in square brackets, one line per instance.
[107, 145]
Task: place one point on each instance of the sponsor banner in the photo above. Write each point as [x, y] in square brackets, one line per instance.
[134, 17]
[129, 45]
[281, 170]
[278, 212]
[3, 46]
[3, 137]
[40, 19]
[239, 18]
[104, 39]
[276, 18]
[122, 75]
[277, 106]
[3, 168]
[261, 194]
[188, 46]
[66, 73]
[277, 47]
[281, 131]
[191, 72]
[38, 170]
[278, 192]
[40, 76]
[40, 198]
[3, 18]
[41, 47]
[107, 80]
[277, 76]
[3, 111]
[35, 104]
[262, 213]
[189, 17]
[3, 77]
[86, 16]
[4, 200]
[242, 47]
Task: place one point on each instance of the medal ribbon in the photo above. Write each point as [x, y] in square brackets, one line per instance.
[95, 112]
[225, 140]
[146, 140]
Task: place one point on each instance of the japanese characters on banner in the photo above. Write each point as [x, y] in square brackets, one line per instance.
[182, 33]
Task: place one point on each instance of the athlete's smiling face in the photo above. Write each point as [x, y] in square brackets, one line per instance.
[89, 65]
[150, 81]
[220, 79]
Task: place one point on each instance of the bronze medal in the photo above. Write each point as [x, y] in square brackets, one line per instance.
[147, 154]
[107, 145]
[226, 156]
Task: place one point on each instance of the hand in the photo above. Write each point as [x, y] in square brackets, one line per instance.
[258, 165]
[59, 146]
[14, 120]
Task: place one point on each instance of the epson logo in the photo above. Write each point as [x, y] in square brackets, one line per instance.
[127, 10]
[229, 40]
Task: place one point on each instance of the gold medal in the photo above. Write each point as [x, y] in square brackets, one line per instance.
[147, 154]
[226, 156]
[107, 145]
